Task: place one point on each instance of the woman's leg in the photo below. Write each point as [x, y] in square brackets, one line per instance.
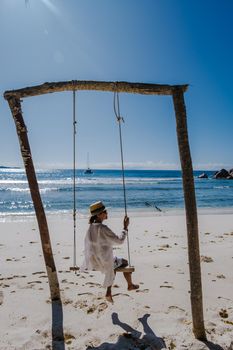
[108, 294]
[128, 277]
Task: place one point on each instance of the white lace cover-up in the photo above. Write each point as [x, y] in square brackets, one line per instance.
[98, 253]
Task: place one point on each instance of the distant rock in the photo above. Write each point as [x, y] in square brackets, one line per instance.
[223, 174]
[203, 176]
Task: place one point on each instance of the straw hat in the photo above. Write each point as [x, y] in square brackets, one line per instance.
[97, 208]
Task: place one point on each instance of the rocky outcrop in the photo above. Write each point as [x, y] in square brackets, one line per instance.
[224, 174]
[203, 176]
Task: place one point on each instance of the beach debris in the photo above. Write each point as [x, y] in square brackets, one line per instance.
[172, 345]
[164, 247]
[228, 322]
[223, 313]
[92, 306]
[68, 338]
[153, 205]
[207, 259]
[67, 301]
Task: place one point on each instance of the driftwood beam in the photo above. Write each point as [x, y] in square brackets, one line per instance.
[120, 86]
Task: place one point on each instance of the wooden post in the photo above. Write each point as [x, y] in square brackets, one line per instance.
[21, 129]
[191, 215]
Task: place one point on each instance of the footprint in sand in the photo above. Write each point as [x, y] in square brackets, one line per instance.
[142, 291]
[165, 285]
[34, 282]
[91, 308]
[88, 293]
[123, 294]
[164, 247]
[174, 307]
[101, 307]
[1, 297]
[92, 284]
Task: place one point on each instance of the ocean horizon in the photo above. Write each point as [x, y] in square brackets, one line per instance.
[146, 190]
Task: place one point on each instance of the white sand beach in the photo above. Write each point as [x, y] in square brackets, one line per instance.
[156, 316]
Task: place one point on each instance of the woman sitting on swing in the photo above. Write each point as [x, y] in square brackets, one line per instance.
[98, 252]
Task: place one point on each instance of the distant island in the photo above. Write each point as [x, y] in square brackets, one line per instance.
[9, 167]
[220, 174]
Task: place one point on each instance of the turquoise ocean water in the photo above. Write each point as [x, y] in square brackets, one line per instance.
[144, 190]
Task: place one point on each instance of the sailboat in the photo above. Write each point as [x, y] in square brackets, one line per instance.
[88, 169]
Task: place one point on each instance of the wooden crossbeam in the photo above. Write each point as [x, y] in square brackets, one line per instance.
[120, 86]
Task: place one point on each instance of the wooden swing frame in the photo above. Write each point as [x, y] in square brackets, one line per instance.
[177, 92]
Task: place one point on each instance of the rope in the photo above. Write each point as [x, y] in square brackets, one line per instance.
[74, 174]
[116, 105]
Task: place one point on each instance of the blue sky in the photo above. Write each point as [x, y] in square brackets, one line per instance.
[152, 41]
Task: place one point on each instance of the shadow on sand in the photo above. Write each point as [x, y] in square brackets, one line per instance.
[58, 342]
[133, 339]
[212, 346]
